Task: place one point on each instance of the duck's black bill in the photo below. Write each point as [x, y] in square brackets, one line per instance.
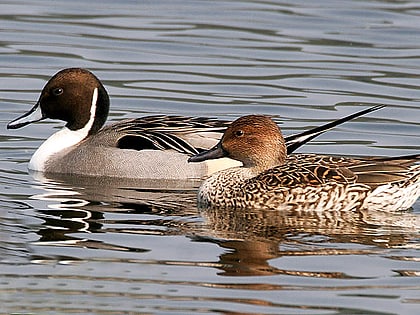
[34, 115]
[216, 152]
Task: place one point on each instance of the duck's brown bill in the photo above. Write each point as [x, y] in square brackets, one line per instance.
[34, 115]
[216, 152]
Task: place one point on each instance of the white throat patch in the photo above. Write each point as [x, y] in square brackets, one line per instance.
[62, 139]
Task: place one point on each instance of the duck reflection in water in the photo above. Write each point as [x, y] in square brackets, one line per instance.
[84, 204]
[254, 237]
[79, 215]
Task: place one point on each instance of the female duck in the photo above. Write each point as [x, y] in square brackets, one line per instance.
[154, 147]
[271, 179]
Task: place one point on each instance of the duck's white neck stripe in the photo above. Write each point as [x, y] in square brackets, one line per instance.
[92, 112]
[62, 139]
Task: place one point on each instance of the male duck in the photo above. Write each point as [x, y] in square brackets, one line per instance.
[271, 179]
[154, 147]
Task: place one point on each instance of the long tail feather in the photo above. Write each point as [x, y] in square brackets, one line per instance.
[294, 142]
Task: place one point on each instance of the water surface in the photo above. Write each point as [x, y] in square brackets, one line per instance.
[82, 246]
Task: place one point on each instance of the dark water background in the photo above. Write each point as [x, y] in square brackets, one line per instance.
[77, 246]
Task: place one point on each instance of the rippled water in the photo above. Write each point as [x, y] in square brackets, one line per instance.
[83, 246]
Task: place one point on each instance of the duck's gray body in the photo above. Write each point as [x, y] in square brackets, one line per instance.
[149, 147]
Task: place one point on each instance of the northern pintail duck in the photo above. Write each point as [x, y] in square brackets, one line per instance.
[269, 178]
[148, 147]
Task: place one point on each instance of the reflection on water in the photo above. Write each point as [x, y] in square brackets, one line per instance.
[108, 205]
[257, 236]
[91, 206]
[93, 222]
[123, 228]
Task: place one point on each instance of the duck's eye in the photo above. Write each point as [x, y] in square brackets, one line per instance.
[239, 133]
[58, 91]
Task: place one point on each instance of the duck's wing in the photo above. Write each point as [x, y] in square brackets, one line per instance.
[376, 171]
[173, 123]
[183, 134]
[315, 170]
[191, 135]
[379, 171]
[202, 133]
[294, 142]
[307, 170]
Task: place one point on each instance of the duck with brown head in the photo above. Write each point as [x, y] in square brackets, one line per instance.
[246, 140]
[271, 179]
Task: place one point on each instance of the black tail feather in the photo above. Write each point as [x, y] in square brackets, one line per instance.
[294, 142]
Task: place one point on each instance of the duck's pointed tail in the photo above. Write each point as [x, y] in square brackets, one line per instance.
[294, 142]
